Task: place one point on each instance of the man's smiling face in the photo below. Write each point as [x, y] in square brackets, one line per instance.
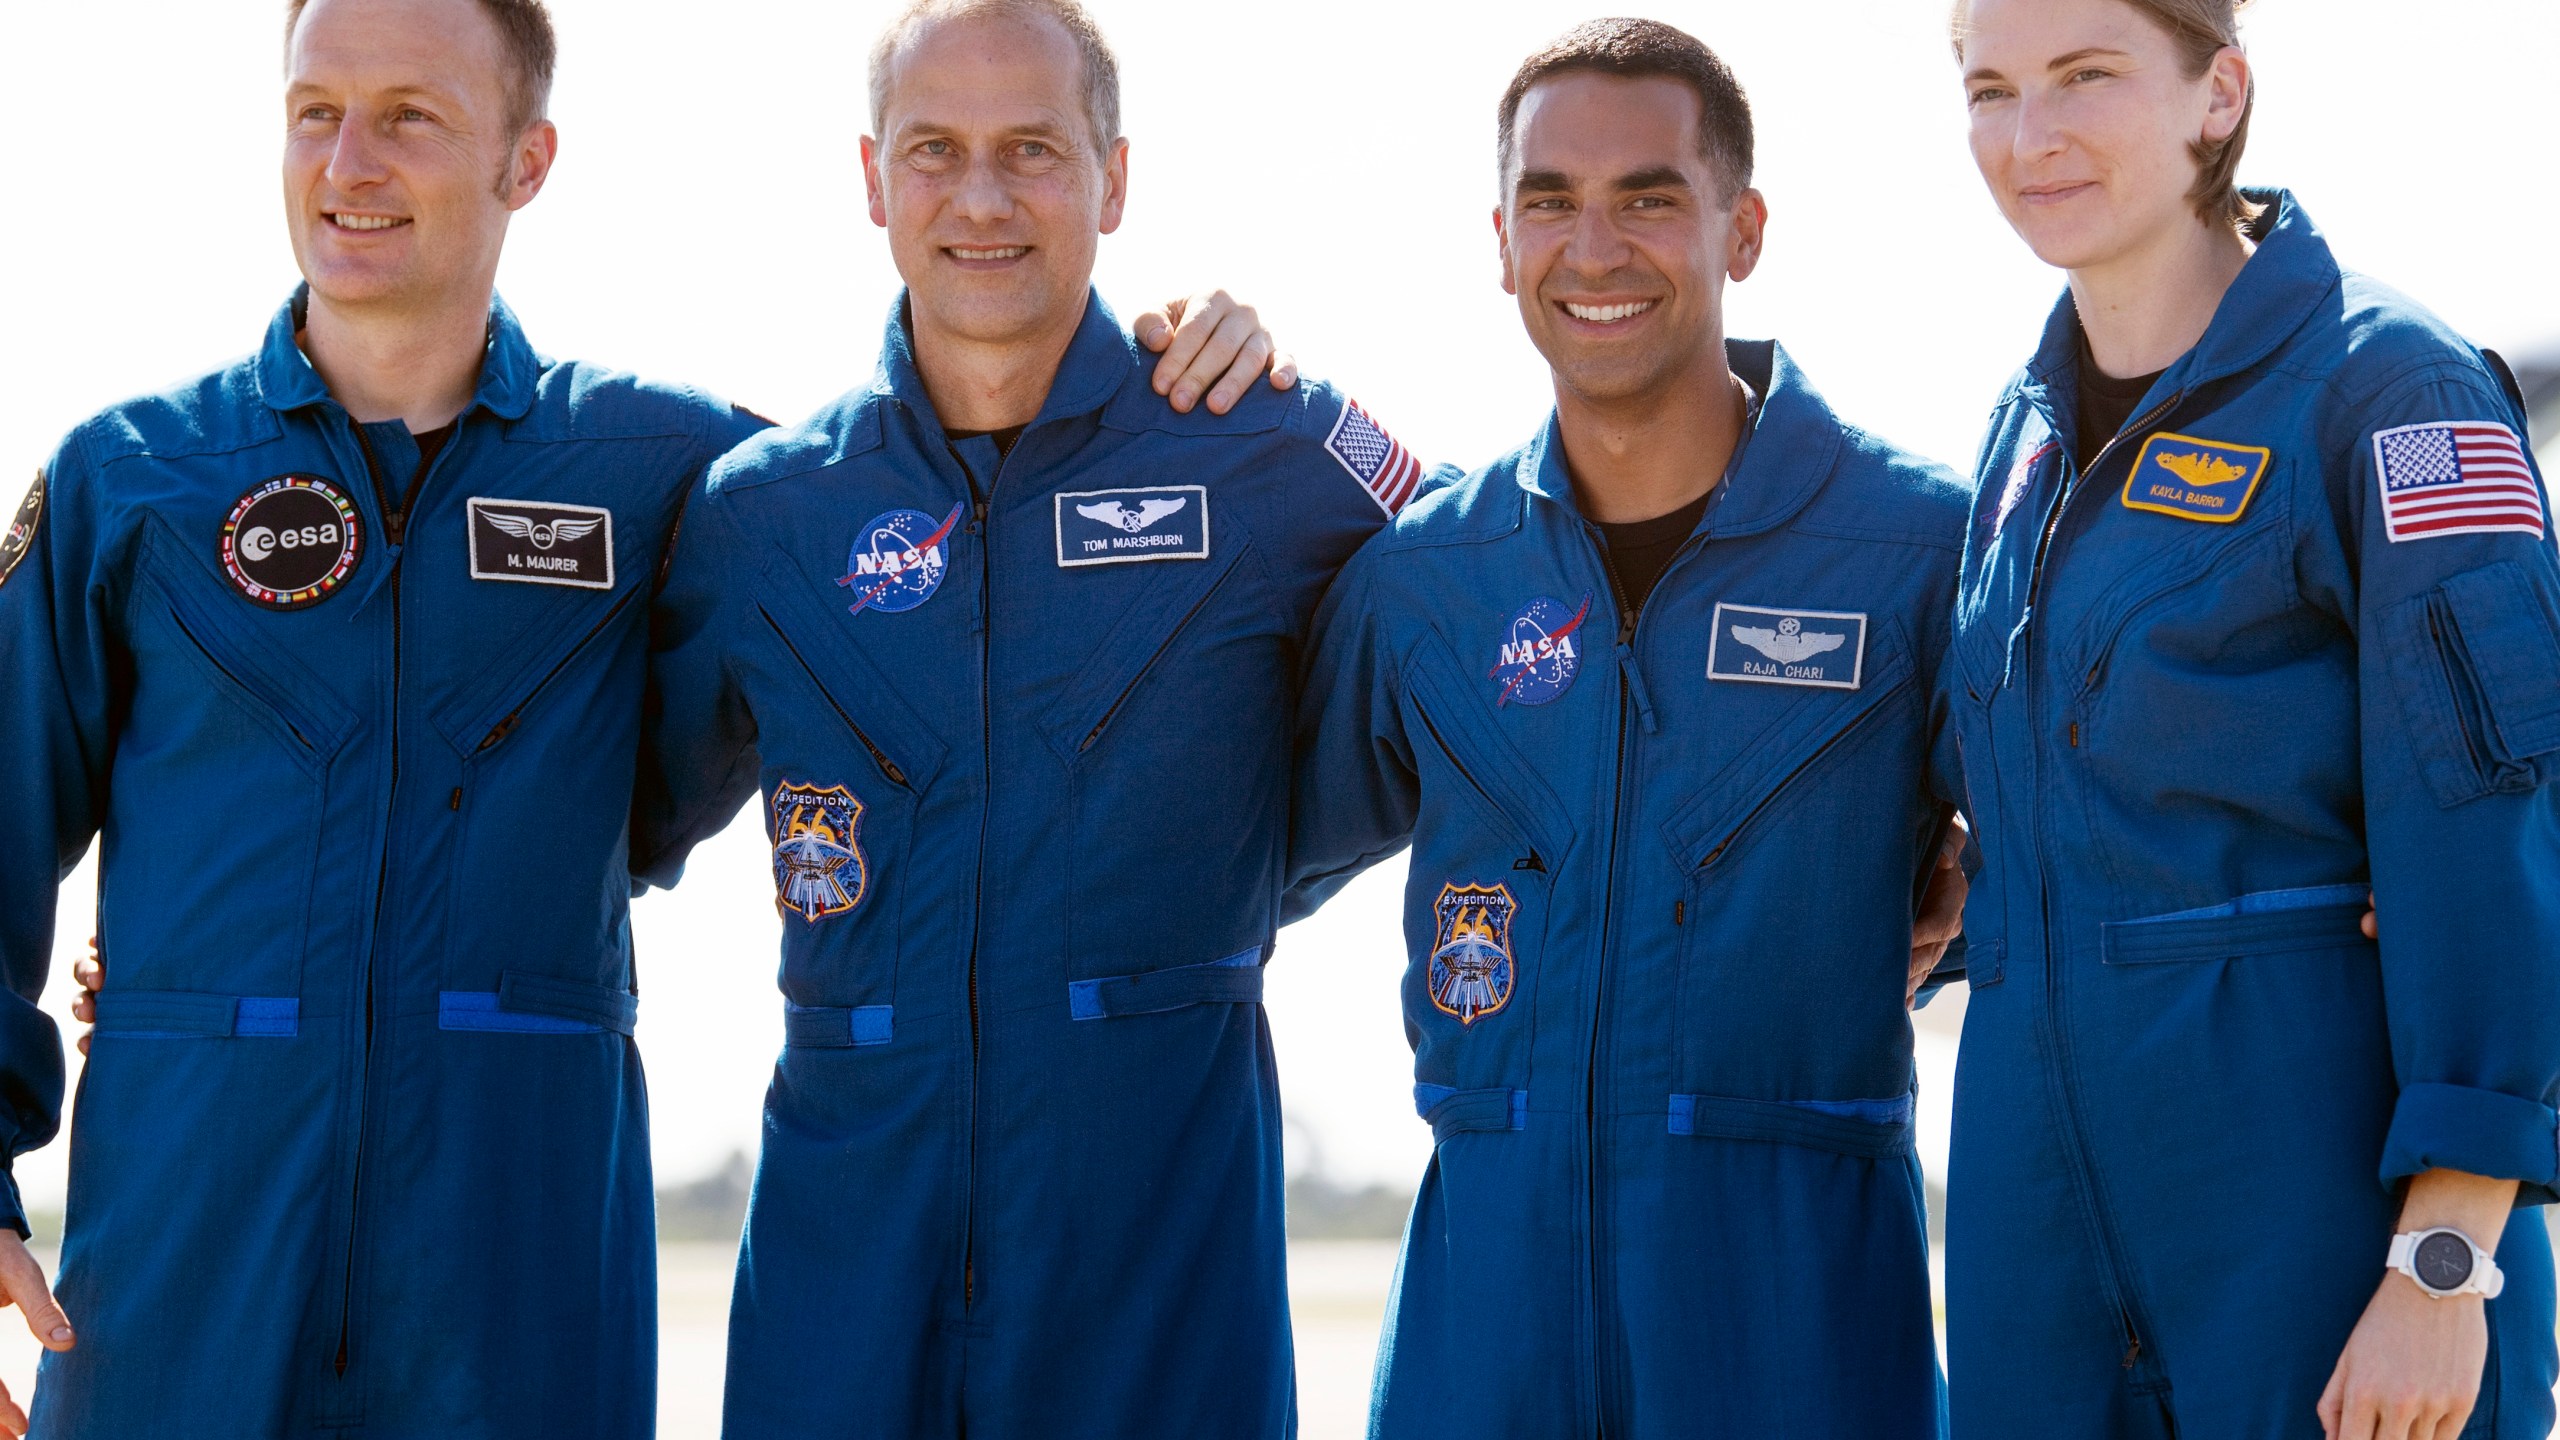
[1617, 235]
[987, 175]
[401, 163]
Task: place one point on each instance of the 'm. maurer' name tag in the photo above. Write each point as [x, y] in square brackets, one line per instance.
[541, 543]
[1788, 647]
[1112, 527]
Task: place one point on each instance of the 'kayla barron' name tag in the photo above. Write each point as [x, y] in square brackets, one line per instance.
[1758, 645]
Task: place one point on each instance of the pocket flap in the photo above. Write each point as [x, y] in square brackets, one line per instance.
[2507, 636]
[1876, 1129]
[539, 1005]
[866, 699]
[2269, 922]
[1473, 743]
[1236, 980]
[1452, 1111]
[187, 1015]
[474, 720]
[263, 671]
[1173, 597]
[1764, 764]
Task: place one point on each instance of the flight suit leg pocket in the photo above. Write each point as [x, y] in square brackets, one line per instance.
[2476, 664]
[189, 1015]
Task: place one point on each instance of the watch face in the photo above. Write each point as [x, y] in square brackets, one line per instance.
[2443, 1261]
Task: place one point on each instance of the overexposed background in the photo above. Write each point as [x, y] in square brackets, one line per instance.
[1329, 160]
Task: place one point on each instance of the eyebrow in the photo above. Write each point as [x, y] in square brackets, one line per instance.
[1552, 182]
[2057, 63]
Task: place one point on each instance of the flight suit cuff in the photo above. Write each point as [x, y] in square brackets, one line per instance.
[2481, 1132]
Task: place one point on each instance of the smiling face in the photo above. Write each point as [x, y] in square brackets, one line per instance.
[2084, 122]
[1616, 235]
[400, 165]
[989, 180]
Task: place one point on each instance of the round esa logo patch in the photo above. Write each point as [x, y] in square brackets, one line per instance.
[1541, 652]
[291, 542]
[898, 560]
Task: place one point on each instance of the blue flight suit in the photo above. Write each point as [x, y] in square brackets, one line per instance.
[362, 1146]
[1665, 869]
[1021, 723]
[2287, 636]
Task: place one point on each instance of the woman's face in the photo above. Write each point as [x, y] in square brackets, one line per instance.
[2082, 118]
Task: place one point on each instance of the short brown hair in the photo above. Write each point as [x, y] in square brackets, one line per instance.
[1101, 67]
[1637, 49]
[532, 49]
[2201, 30]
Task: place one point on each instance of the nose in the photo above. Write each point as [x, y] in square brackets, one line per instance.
[1595, 247]
[355, 161]
[2039, 132]
[982, 198]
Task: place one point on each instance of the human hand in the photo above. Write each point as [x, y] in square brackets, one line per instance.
[1211, 343]
[90, 973]
[1941, 917]
[2372, 922]
[22, 1280]
[2411, 1370]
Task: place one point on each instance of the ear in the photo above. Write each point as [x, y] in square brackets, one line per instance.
[1115, 186]
[1502, 248]
[1750, 230]
[2227, 97]
[536, 150]
[871, 188]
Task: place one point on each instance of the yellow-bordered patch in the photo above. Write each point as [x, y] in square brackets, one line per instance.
[2195, 479]
[1472, 969]
[291, 542]
[21, 535]
[818, 868]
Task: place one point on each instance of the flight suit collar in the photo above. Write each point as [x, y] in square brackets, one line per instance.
[1097, 362]
[2278, 291]
[508, 367]
[1788, 451]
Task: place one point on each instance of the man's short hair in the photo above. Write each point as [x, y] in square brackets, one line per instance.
[1101, 67]
[1634, 50]
[531, 46]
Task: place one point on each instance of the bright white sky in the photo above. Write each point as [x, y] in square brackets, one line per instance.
[1329, 160]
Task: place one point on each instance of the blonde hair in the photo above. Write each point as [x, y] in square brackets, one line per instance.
[2201, 29]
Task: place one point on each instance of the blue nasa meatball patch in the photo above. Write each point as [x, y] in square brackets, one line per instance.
[898, 560]
[1541, 652]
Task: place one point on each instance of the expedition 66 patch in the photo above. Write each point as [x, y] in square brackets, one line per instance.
[21, 536]
[1472, 973]
[291, 542]
[817, 860]
[540, 542]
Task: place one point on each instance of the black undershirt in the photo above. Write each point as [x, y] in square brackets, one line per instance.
[1640, 550]
[432, 441]
[2106, 402]
[1004, 438]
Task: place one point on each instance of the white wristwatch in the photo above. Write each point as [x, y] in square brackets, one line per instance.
[2445, 1263]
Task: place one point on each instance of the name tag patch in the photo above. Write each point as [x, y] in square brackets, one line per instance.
[540, 543]
[1762, 646]
[2195, 479]
[1116, 527]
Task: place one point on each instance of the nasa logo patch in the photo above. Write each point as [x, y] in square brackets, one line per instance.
[1541, 652]
[2022, 478]
[1472, 971]
[2195, 479]
[898, 560]
[1114, 527]
[21, 536]
[541, 543]
[1825, 648]
[291, 542]
[817, 859]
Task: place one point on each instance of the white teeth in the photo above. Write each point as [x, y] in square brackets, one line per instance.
[1007, 253]
[1607, 314]
[366, 222]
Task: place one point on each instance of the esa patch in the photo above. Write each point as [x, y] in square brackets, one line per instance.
[817, 859]
[1114, 527]
[291, 542]
[1758, 645]
[898, 560]
[541, 543]
[21, 536]
[1375, 458]
[2195, 479]
[1541, 652]
[2455, 477]
[1472, 970]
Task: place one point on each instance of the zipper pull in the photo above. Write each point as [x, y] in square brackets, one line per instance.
[978, 517]
[1635, 686]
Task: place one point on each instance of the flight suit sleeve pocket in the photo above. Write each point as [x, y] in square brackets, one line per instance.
[2476, 665]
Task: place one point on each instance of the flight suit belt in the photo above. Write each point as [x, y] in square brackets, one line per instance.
[522, 1004]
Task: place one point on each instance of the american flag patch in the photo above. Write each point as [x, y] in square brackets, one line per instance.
[1375, 458]
[2455, 477]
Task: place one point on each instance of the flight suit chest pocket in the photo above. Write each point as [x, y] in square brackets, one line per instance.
[2476, 664]
[184, 604]
[858, 694]
[1141, 650]
[1489, 843]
